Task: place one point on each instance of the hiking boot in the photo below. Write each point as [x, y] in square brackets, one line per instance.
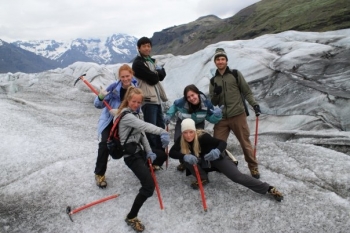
[135, 223]
[181, 167]
[276, 194]
[101, 181]
[195, 184]
[157, 168]
[255, 173]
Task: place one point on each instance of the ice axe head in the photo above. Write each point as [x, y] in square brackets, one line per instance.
[68, 210]
[79, 79]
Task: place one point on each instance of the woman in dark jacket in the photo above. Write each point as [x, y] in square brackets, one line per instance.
[198, 147]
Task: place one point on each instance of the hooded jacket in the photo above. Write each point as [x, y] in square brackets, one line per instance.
[113, 99]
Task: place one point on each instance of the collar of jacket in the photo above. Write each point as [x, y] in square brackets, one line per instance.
[227, 70]
[144, 58]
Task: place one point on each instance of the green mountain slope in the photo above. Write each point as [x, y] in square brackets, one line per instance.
[264, 17]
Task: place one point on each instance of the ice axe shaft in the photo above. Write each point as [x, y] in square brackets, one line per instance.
[199, 180]
[256, 135]
[91, 88]
[71, 212]
[156, 184]
[167, 152]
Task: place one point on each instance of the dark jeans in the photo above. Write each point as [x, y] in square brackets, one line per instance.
[137, 164]
[161, 157]
[102, 154]
[227, 167]
[152, 113]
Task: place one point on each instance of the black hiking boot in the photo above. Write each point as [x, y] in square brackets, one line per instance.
[181, 167]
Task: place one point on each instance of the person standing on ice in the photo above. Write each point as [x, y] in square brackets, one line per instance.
[149, 76]
[227, 88]
[198, 147]
[113, 95]
[138, 150]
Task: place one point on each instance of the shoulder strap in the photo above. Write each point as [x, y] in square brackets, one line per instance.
[114, 130]
[235, 74]
[212, 81]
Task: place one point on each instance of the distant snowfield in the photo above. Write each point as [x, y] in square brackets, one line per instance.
[49, 148]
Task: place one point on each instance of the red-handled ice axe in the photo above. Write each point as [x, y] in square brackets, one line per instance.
[156, 184]
[199, 180]
[167, 152]
[256, 135]
[91, 88]
[70, 212]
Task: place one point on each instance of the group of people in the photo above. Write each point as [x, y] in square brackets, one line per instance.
[139, 89]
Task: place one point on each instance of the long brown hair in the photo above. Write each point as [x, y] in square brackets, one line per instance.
[185, 146]
[131, 91]
[195, 89]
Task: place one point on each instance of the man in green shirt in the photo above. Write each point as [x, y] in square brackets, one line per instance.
[225, 89]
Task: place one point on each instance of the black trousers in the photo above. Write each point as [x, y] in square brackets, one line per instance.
[102, 154]
[227, 167]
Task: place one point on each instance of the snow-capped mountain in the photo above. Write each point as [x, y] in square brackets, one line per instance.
[117, 48]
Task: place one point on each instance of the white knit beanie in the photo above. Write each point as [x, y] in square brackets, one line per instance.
[188, 124]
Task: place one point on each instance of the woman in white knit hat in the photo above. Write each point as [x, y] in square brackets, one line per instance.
[198, 147]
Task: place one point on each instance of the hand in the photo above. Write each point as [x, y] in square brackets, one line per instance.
[158, 67]
[167, 119]
[102, 94]
[217, 111]
[113, 111]
[191, 159]
[217, 89]
[212, 155]
[257, 110]
[165, 138]
[152, 156]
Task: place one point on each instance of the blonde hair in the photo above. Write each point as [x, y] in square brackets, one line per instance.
[127, 68]
[131, 91]
[185, 146]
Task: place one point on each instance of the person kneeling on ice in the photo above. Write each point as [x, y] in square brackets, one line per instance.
[138, 150]
[198, 147]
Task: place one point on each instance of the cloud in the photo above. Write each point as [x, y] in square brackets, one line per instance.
[67, 19]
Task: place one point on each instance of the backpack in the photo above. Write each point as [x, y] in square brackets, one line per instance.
[115, 148]
[235, 74]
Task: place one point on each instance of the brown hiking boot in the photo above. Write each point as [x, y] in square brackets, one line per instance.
[276, 194]
[156, 168]
[101, 181]
[135, 223]
[255, 173]
[181, 167]
[195, 184]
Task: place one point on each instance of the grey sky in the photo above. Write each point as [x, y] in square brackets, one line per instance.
[71, 19]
